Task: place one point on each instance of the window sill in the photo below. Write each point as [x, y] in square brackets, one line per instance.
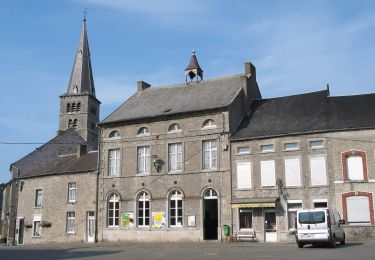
[243, 153]
[267, 152]
[113, 175]
[210, 170]
[268, 188]
[38, 207]
[143, 173]
[175, 172]
[294, 187]
[70, 233]
[36, 236]
[292, 150]
[356, 181]
[71, 202]
[244, 189]
[319, 186]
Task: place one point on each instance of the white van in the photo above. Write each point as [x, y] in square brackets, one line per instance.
[316, 226]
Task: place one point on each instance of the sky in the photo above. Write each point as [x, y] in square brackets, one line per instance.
[296, 46]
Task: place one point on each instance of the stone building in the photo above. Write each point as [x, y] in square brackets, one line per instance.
[304, 151]
[52, 194]
[164, 158]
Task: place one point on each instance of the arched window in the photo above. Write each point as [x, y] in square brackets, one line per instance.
[114, 134]
[209, 123]
[70, 123]
[68, 108]
[143, 131]
[75, 89]
[174, 128]
[74, 107]
[113, 210]
[75, 124]
[78, 107]
[210, 194]
[354, 166]
[143, 210]
[175, 209]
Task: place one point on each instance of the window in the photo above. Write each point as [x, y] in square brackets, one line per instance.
[78, 107]
[114, 134]
[243, 150]
[143, 210]
[72, 192]
[292, 172]
[246, 218]
[75, 89]
[210, 194]
[293, 206]
[354, 166]
[243, 175]
[70, 222]
[114, 162]
[358, 208]
[68, 109]
[175, 157]
[318, 173]
[316, 144]
[175, 209]
[143, 164]
[38, 198]
[113, 210]
[267, 171]
[174, 128]
[320, 204]
[36, 230]
[70, 123]
[75, 124]
[291, 146]
[209, 154]
[143, 131]
[74, 107]
[266, 148]
[209, 123]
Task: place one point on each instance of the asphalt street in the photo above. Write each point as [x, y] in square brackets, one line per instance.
[179, 251]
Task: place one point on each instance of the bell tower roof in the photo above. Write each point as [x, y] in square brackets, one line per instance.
[81, 79]
[193, 70]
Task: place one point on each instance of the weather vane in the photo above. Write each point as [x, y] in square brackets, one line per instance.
[84, 13]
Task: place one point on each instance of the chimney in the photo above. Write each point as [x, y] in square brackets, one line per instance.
[142, 86]
[81, 150]
[250, 70]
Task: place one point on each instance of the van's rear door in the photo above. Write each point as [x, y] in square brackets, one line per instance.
[312, 224]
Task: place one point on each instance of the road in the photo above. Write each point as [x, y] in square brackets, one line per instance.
[177, 251]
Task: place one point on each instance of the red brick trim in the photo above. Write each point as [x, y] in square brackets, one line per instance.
[358, 193]
[344, 158]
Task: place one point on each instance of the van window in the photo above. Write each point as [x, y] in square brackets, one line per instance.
[315, 217]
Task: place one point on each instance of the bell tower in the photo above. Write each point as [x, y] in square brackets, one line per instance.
[79, 108]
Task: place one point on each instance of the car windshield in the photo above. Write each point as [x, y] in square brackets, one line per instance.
[315, 217]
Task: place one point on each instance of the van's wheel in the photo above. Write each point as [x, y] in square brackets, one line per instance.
[300, 245]
[343, 241]
[333, 242]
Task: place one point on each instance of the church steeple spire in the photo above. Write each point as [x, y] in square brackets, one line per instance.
[81, 79]
[193, 70]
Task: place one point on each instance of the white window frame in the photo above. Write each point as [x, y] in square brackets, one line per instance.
[316, 147]
[263, 148]
[209, 154]
[296, 182]
[208, 124]
[70, 222]
[143, 159]
[113, 204]
[37, 221]
[114, 134]
[270, 182]
[114, 159]
[291, 149]
[177, 197]
[143, 131]
[241, 175]
[247, 150]
[72, 192]
[174, 128]
[38, 198]
[315, 157]
[175, 157]
[143, 198]
[353, 173]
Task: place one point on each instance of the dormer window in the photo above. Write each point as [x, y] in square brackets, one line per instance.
[114, 134]
[143, 131]
[209, 123]
[174, 128]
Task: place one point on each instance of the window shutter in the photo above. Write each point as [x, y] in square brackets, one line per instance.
[267, 169]
[358, 208]
[318, 171]
[292, 173]
[355, 168]
[244, 175]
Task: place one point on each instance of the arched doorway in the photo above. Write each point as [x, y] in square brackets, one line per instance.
[210, 215]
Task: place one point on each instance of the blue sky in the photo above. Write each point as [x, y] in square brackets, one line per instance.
[297, 47]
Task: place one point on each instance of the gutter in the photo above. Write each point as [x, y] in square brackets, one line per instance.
[97, 188]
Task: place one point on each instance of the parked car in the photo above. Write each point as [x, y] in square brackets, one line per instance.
[319, 226]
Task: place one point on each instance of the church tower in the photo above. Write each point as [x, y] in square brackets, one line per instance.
[79, 108]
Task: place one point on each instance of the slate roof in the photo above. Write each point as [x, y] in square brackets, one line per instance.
[66, 164]
[176, 99]
[64, 143]
[307, 113]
